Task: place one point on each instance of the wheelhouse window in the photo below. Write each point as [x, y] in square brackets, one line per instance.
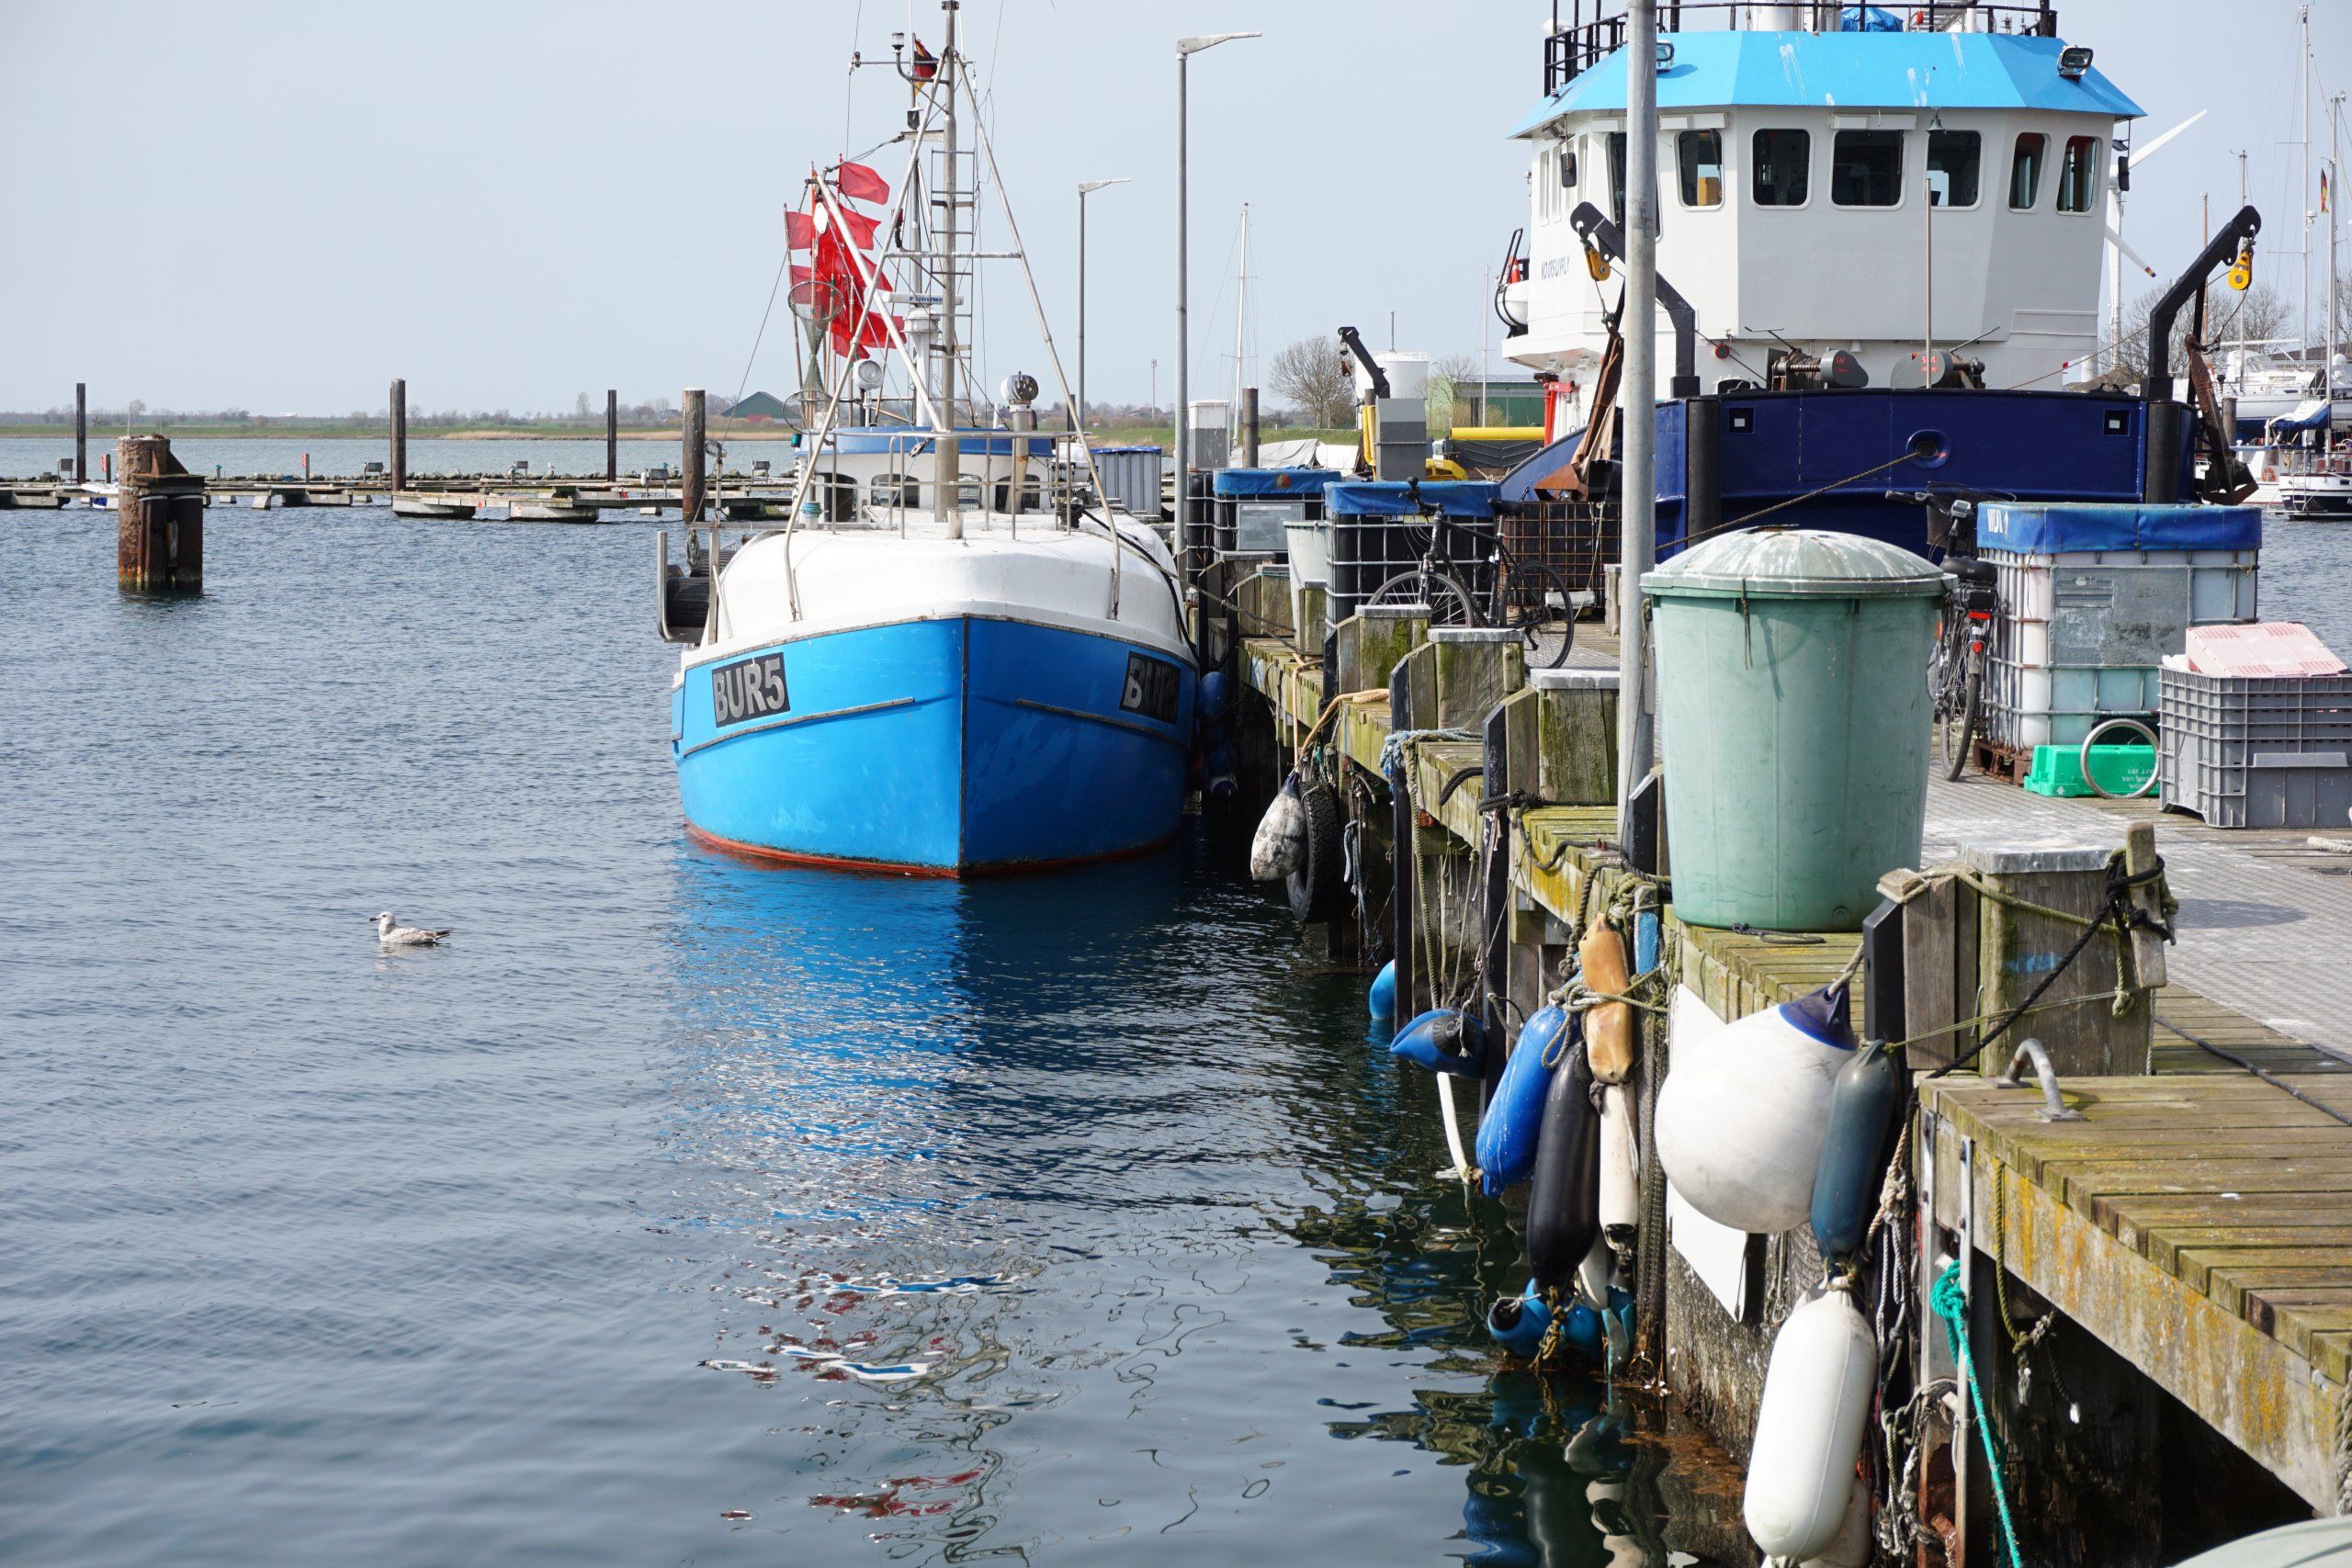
[1952, 160]
[1866, 168]
[2078, 177]
[1702, 156]
[2025, 170]
[1782, 169]
[1617, 179]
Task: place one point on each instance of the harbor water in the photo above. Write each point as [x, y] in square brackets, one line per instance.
[678, 1210]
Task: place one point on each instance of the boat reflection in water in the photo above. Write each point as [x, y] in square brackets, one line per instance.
[1071, 1210]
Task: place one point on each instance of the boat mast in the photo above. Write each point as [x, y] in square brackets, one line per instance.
[945, 195]
[2334, 193]
[1240, 321]
[2241, 313]
[2304, 191]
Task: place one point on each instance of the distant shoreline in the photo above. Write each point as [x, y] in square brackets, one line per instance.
[292, 431]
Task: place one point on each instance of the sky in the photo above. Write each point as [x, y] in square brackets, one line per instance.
[280, 206]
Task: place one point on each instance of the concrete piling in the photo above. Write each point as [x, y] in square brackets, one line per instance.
[1249, 427]
[159, 532]
[690, 470]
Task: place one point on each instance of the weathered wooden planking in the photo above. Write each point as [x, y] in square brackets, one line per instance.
[2237, 1370]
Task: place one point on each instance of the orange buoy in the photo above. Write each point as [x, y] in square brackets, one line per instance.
[1609, 1029]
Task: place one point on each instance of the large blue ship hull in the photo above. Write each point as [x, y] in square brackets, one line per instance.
[948, 747]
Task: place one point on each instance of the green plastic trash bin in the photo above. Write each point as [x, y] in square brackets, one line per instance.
[1793, 723]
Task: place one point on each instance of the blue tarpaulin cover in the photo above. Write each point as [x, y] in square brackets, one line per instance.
[1868, 19]
[2048, 529]
[2307, 415]
[1390, 498]
[1288, 483]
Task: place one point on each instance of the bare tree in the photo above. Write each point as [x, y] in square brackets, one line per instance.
[2262, 311]
[1311, 375]
[1451, 398]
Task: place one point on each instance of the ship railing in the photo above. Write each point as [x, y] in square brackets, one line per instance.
[1583, 42]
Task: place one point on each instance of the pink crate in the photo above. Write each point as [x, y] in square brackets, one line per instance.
[2265, 648]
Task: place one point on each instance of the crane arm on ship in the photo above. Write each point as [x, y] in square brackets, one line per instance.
[1593, 227]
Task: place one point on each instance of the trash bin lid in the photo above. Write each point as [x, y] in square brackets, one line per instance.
[1794, 563]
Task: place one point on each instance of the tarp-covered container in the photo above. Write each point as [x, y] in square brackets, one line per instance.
[1382, 528]
[1255, 508]
[1794, 719]
[2092, 596]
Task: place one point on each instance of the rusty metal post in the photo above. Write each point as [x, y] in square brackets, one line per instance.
[159, 532]
[80, 433]
[612, 434]
[400, 433]
[690, 471]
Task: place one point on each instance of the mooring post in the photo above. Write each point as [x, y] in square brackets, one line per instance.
[400, 433]
[690, 473]
[80, 433]
[612, 434]
[1249, 427]
[159, 532]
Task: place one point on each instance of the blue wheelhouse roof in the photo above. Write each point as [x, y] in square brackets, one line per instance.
[1847, 71]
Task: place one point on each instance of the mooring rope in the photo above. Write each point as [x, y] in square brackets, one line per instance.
[1948, 1306]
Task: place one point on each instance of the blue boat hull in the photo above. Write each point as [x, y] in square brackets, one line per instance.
[949, 746]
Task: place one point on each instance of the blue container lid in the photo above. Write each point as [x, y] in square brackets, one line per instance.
[1125, 451]
[1298, 484]
[1391, 498]
[2046, 528]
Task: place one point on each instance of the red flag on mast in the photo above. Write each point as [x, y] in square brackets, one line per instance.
[799, 232]
[861, 183]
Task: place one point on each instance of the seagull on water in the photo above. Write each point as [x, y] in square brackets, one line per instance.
[391, 935]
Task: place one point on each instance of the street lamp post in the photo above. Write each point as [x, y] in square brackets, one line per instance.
[1085, 189]
[1185, 49]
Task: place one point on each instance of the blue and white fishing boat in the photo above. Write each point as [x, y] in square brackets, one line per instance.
[1881, 232]
[957, 657]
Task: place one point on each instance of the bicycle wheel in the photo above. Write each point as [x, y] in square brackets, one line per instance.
[1956, 725]
[1448, 602]
[1527, 606]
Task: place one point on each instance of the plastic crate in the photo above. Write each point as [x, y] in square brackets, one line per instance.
[1368, 551]
[2120, 770]
[2258, 751]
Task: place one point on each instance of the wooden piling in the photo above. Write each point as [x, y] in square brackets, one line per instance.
[400, 433]
[80, 433]
[612, 434]
[1249, 427]
[690, 471]
[159, 532]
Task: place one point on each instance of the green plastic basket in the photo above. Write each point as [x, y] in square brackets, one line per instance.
[2120, 770]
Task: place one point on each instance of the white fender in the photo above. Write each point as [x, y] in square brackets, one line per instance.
[1809, 1428]
[1742, 1114]
[1619, 1171]
[1593, 1274]
[1280, 844]
[1853, 1547]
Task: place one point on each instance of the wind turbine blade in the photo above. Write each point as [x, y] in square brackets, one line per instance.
[2140, 154]
[2115, 238]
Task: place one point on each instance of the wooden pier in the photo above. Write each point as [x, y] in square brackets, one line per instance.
[518, 499]
[2192, 1231]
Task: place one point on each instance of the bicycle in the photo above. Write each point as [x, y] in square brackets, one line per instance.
[1956, 668]
[1495, 590]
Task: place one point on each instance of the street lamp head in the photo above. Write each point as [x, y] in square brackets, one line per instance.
[1088, 187]
[1209, 40]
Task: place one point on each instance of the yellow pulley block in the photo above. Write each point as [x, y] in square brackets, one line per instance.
[1595, 264]
[2241, 271]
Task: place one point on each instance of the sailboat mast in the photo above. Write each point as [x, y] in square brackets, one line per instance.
[2327, 213]
[2304, 191]
[1240, 318]
[946, 194]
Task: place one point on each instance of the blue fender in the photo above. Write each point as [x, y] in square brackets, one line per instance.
[1507, 1132]
[1519, 1322]
[1443, 1040]
[1216, 697]
[1383, 997]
